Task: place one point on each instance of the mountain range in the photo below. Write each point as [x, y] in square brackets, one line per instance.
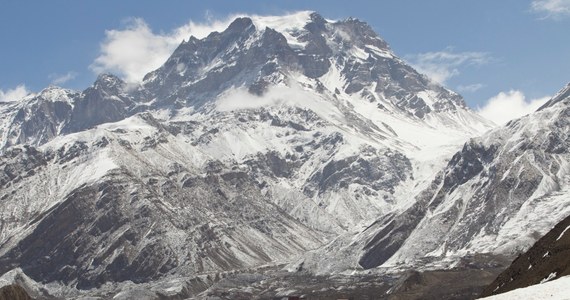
[281, 143]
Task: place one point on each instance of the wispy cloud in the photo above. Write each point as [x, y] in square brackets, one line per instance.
[440, 66]
[14, 94]
[61, 79]
[552, 9]
[470, 88]
[506, 106]
[135, 50]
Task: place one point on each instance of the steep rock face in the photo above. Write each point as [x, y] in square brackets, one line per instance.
[548, 259]
[375, 172]
[376, 74]
[493, 195]
[36, 120]
[106, 101]
[199, 70]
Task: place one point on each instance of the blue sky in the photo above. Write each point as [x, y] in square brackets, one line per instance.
[484, 49]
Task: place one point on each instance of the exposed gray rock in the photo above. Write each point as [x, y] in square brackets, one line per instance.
[116, 230]
[383, 171]
[105, 102]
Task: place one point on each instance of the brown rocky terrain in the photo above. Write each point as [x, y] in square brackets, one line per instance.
[14, 292]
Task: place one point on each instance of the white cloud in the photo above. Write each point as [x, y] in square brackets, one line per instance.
[470, 88]
[510, 105]
[14, 94]
[551, 8]
[440, 66]
[61, 79]
[276, 96]
[136, 50]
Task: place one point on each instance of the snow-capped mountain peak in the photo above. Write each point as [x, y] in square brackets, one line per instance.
[289, 25]
[344, 59]
[246, 147]
[55, 93]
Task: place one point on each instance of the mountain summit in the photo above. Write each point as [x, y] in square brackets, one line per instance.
[342, 58]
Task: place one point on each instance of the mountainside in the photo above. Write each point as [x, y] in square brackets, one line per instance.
[40, 118]
[110, 205]
[554, 290]
[498, 195]
[248, 147]
[548, 259]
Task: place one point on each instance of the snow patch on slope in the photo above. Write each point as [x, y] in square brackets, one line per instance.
[558, 289]
[54, 93]
[288, 25]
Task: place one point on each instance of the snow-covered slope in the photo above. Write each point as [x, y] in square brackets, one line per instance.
[498, 195]
[247, 147]
[35, 119]
[129, 200]
[555, 290]
[546, 260]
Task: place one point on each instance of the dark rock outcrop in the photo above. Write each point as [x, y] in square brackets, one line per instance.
[548, 259]
[104, 102]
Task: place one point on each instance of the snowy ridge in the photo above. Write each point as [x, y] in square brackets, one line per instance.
[35, 119]
[288, 25]
[560, 96]
[56, 94]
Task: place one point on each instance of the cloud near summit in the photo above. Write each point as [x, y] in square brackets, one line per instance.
[510, 105]
[554, 9]
[441, 66]
[14, 94]
[135, 50]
